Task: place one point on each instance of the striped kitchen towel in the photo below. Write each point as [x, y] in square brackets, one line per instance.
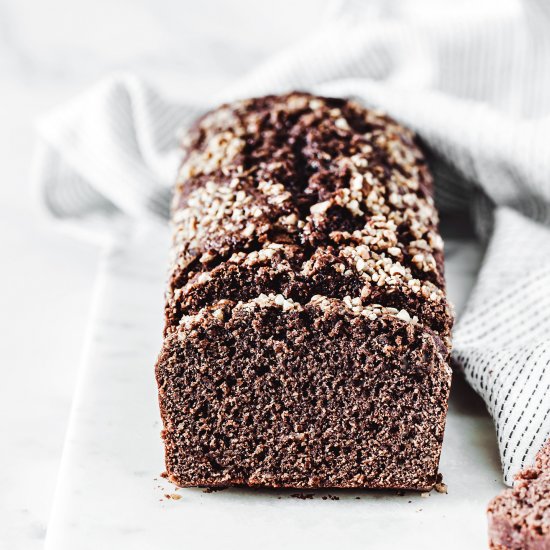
[477, 91]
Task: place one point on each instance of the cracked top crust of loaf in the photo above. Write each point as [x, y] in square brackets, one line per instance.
[306, 199]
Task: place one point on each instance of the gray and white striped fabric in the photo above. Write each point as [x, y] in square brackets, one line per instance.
[477, 91]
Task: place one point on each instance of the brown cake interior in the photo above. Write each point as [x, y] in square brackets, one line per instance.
[307, 397]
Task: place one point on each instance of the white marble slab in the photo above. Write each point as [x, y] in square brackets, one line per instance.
[111, 496]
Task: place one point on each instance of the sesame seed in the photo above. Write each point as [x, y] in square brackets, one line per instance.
[218, 314]
[341, 123]
[394, 251]
[320, 207]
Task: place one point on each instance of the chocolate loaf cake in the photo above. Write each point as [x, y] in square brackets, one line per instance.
[307, 331]
[519, 518]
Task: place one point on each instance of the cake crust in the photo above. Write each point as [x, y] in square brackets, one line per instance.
[307, 332]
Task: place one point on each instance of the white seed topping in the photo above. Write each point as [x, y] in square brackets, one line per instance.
[320, 207]
[385, 194]
[218, 314]
[341, 123]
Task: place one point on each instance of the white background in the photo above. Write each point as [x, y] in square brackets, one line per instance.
[49, 51]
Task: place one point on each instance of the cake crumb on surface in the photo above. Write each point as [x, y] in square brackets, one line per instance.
[209, 490]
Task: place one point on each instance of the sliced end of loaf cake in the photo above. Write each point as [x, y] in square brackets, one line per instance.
[271, 393]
